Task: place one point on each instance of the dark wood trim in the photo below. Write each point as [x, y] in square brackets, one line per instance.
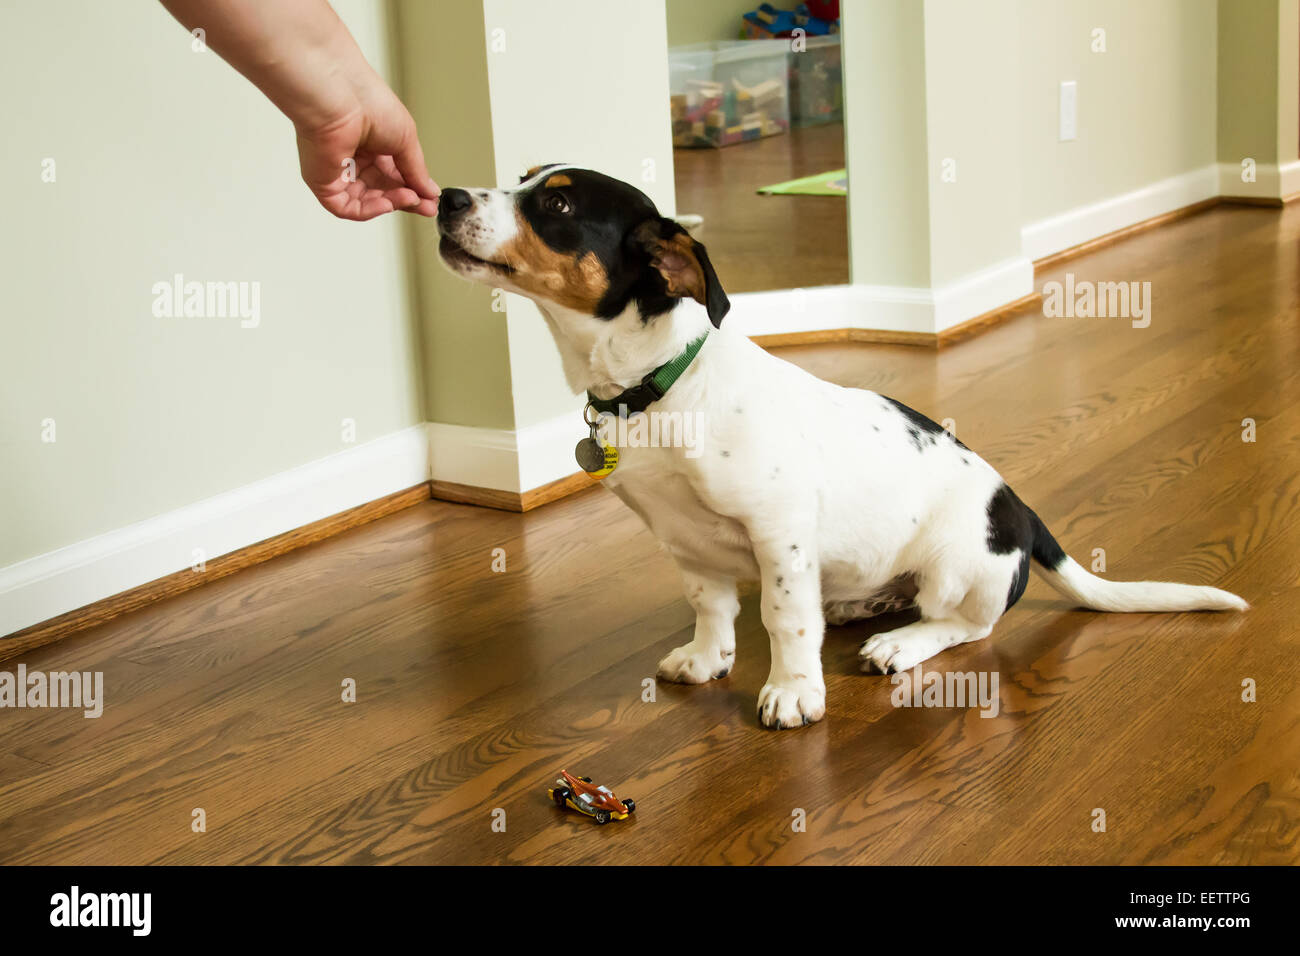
[515, 501]
[474, 495]
[987, 320]
[1271, 202]
[1092, 245]
[1056, 258]
[814, 337]
[830, 336]
[56, 628]
[929, 340]
[555, 490]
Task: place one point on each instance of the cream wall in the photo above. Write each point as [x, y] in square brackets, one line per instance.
[885, 142]
[1248, 80]
[619, 126]
[167, 161]
[489, 361]
[1259, 81]
[934, 185]
[699, 21]
[975, 210]
[1147, 106]
[464, 350]
[976, 86]
[1288, 81]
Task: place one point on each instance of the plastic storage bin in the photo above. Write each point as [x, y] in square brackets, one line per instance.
[816, 82]
[729, 92]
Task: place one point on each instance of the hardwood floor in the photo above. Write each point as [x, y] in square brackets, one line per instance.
[474, 688]
[768, 242]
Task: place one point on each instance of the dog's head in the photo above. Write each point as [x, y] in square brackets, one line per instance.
[578, 239]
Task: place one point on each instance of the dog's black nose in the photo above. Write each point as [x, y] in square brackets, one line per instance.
[453, 202]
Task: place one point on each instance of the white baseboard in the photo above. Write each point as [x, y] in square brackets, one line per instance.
[881, 308]
[1084, 223]
[1289, 177]
[546, 449]
[1271, 180]
[505, 459]
[51, 584]
[998, 285]
[59, 581]
[482, 457]
[782, 311]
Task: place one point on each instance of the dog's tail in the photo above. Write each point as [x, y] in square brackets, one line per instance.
[1068, 576]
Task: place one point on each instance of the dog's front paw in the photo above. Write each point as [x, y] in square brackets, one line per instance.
[691, 664]
[792, 703]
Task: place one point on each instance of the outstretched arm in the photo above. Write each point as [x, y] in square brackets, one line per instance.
[299, 53]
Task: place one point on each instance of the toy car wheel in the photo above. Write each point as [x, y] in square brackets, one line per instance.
[630, 805]
[560, 797]
[602, 816]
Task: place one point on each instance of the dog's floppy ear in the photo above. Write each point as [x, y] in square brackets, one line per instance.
[683, 263]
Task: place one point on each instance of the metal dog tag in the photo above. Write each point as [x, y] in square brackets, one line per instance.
[594, 457]
[591, 457]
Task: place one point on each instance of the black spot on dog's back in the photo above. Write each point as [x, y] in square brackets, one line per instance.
[922, 430]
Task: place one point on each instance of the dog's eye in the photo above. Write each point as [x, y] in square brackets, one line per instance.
[557, 204]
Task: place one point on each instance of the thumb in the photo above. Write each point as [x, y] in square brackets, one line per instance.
[320, 166]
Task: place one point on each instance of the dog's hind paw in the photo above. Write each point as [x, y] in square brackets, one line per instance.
[791, 703]
[689, 664]
[904, 647]
[883, 654]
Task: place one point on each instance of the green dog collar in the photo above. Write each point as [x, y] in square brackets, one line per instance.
[652, 388]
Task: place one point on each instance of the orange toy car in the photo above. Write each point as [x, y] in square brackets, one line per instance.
[597, 802]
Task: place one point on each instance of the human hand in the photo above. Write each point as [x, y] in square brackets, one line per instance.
[368, 161]
[357, 146]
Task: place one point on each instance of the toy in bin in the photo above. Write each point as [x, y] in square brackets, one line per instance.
[712, 113]
[816, 18]
[597, 802]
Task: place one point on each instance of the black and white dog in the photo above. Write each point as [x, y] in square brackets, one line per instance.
[842, 502]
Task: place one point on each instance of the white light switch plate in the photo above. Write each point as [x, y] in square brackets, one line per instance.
[1069, 110]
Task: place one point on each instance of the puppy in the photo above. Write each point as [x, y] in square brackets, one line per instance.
[841, 502]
